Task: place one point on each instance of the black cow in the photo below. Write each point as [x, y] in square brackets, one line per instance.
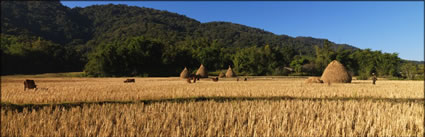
[30, 84]
[194, 77]
[130, 81]
[215, 79]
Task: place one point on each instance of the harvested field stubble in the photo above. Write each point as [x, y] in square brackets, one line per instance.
[230, 118]
[107, 89]
[259, 107]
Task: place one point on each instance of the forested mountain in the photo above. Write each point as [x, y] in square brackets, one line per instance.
[104, 23]
[243, 36]
[79, 38]
[49, 20]
[117, 22]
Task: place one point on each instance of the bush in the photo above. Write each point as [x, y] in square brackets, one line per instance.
[217, 72]
[280, 72]
[363, 76]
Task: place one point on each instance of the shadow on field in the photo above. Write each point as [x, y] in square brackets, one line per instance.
[35, 107]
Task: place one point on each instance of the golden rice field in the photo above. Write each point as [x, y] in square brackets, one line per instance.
[261, 106]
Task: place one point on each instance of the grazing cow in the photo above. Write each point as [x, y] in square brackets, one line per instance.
[188, 80]
[30, 84]
[245, 79]
[193, 76]
[129, 81]
[215, 79]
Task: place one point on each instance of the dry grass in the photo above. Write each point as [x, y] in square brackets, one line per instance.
[276, 107]
[101, 89]
[313, 80]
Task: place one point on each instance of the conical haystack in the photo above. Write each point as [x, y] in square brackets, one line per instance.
[335, 72]
[184, 73]
[221, 75]
[202, 72]
[230, 73]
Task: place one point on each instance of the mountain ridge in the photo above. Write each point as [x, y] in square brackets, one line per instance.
[103, 23]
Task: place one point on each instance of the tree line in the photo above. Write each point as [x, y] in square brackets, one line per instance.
[139, 56]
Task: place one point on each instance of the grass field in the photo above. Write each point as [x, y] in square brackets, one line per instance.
[261, 106]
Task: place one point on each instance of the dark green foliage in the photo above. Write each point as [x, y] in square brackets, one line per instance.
[47, 19]
[324, 56]
[412, 71]
[257, 61]
[343, 56]
[133, 57]
[358, 62]
[298, 62]
[35, 55]
[118, 22]
[245, 60]
[367, 62]
[175, 58]
[288, 53]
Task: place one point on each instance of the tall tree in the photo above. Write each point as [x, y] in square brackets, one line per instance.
[324, 56]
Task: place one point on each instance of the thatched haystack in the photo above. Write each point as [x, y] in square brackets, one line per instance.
[335, 72]
[202, 72]
[313, 80]
[230, 73]
[221, 75]
[184, 73]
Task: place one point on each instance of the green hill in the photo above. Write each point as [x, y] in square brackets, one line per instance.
[104, 23]
[45, 36]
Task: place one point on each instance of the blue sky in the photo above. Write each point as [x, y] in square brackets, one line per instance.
[387, 26]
